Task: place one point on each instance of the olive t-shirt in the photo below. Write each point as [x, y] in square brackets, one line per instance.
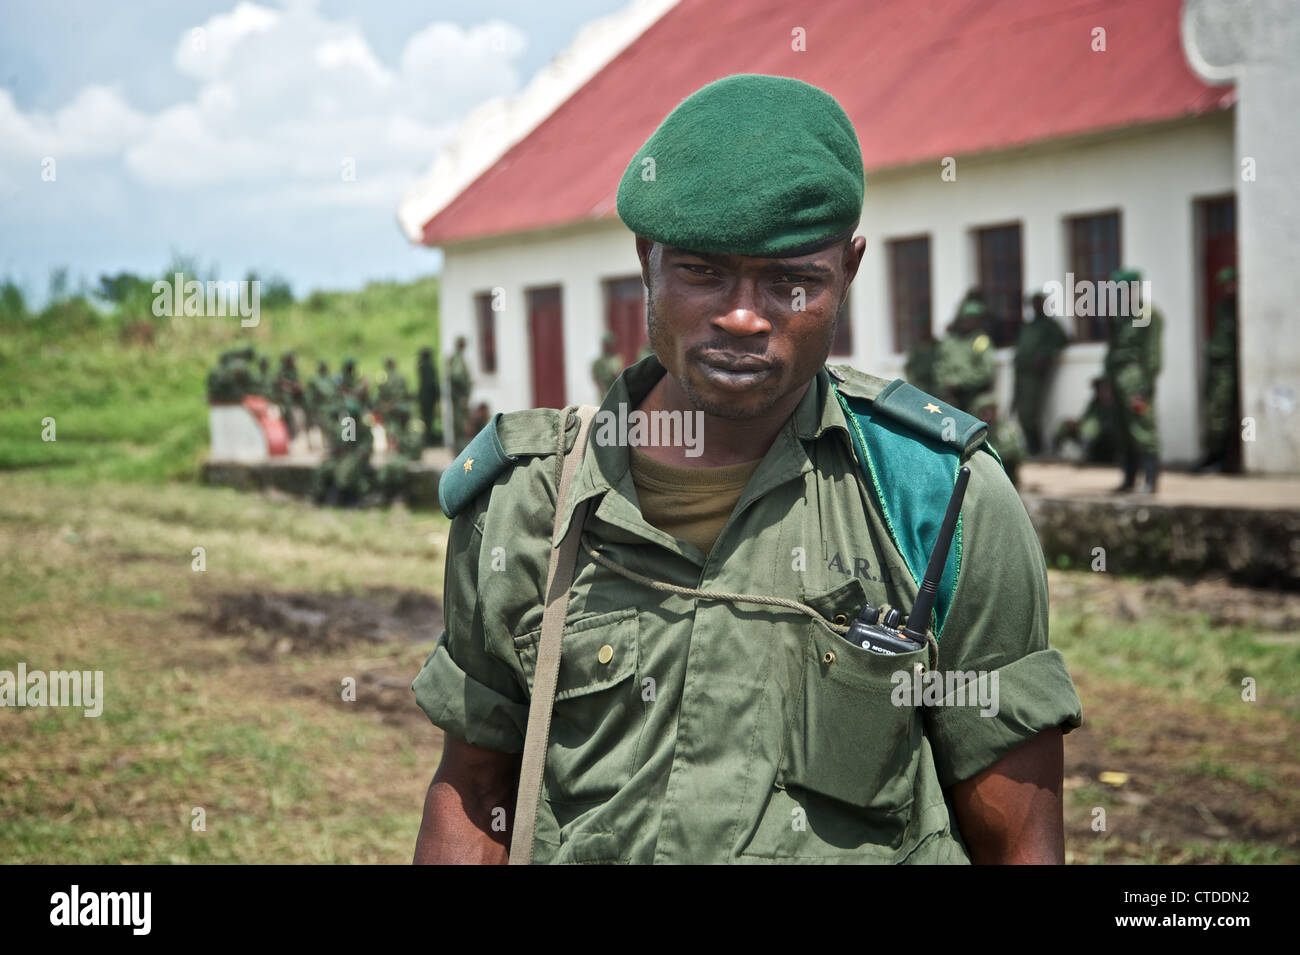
[691, 504]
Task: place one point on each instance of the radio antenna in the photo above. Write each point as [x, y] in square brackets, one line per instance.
[938, 559]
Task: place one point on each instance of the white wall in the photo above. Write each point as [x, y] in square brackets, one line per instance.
[1256, 45]
[1153, 177]
[578, 260]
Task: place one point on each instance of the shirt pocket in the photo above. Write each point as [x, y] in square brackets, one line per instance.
[853, 738]
[597, 716]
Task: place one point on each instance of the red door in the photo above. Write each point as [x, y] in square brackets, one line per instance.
[625, 316]
[546, 340]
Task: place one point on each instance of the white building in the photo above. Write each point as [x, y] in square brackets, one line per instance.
[1004, 150]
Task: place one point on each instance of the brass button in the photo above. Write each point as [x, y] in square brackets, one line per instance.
[606, 654]
[829, 657]
[841, 620]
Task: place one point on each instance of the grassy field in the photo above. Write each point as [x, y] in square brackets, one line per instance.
[127, 391]
[223, 688]
[224, 685]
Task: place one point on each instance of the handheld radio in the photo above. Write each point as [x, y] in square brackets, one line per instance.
[882, 634]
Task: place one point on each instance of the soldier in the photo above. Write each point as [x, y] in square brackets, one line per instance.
[919, 368]
[232, 377]
[1095, 431]
[965, 366]
[1037, 349]
[345, 477]
[263, 380]
[349, 384]
[1133, 355]
[607, 367]
[1221, 402]
[319, 395]
[707, 698]
[430, 393]
[1005, 435]
[286, 390]
[458, 378]
[406, 446]
[394, 398]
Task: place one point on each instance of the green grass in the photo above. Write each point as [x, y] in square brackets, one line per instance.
[1180, 654]
[138, 412]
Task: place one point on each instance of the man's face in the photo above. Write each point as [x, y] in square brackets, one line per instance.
[741, 333]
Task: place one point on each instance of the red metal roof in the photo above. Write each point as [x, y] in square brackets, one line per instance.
[920, 80]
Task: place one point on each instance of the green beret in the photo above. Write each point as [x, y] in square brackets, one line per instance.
[1126, 275]
[972, 307]
[749, 165]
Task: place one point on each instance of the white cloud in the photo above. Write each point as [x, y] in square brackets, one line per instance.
[286, 98]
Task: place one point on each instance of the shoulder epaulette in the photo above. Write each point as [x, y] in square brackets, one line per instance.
[502, 442]
[910, 445]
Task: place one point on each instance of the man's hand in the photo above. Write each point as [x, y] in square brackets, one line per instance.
[1010, 813]
[470, 786]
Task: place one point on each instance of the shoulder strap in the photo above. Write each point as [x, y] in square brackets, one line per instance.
[559, 580]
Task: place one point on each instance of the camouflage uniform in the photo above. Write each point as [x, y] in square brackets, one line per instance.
[919, 368]
[394, 398]
[1132, 364]
[1037, 348]
[607, 367]
[1095, 431]
[458, 378]
[232, 377]
[430, 393]
[345, 477]
[965, 366]
[1221, 416]
[318, 396]
[286, 390]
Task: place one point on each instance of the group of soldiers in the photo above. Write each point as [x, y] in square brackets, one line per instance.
[343, 408]
[1120, 419]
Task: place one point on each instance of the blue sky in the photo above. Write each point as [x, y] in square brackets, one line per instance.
[222, 130]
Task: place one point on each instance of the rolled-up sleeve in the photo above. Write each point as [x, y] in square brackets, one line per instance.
[996, 634]
[462, 688]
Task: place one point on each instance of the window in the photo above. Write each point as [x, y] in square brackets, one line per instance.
[999, 270]
[487, 332]
[1094, 255]
[843, 342]
[909, 284]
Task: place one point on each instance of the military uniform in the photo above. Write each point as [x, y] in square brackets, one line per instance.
[459, 381]
[1133, 359]
[1221, 417]
[1040, 341]
[698, 730]
[965, 368]
[604, 370]
[430, 392]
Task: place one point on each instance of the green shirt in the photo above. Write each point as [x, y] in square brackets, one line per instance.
[716, 732]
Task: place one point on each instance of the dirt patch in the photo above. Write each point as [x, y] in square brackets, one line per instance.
[275, 624]
[1182, 786]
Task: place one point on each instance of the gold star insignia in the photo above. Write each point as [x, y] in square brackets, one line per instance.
[932, 408]
[469, 465]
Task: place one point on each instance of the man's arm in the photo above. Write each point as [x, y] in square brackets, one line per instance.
[472, 788]
[1010, 813]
